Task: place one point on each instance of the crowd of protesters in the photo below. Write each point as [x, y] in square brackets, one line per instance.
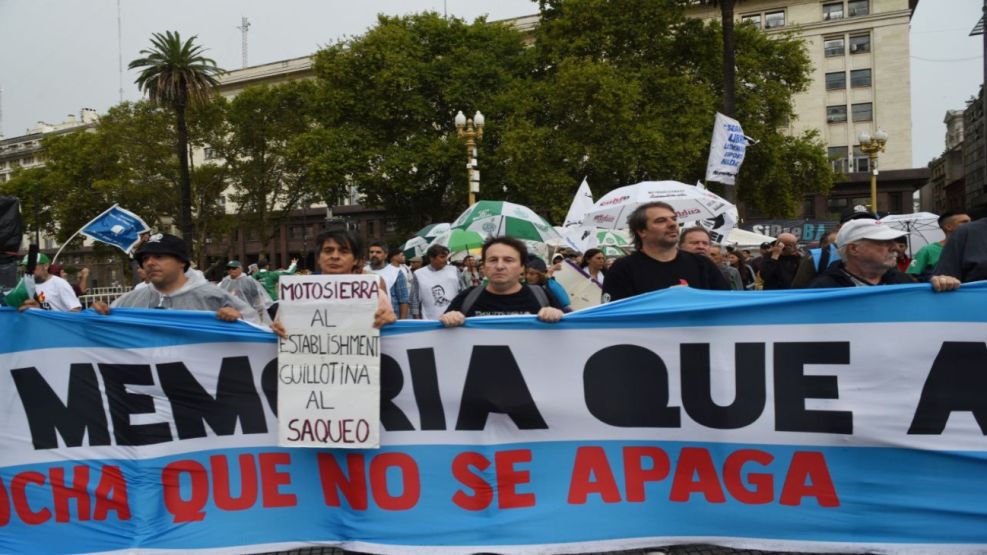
[507, 280]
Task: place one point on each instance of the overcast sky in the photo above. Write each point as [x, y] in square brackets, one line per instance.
[57, 57]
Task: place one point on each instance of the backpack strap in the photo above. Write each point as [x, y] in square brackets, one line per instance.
[539, 292]
[471, 298]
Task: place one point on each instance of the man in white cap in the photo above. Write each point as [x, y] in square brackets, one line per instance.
[867, 257]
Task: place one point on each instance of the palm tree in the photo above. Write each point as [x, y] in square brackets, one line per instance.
[176, 74]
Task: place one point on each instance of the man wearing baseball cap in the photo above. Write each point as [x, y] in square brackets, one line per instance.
[51, 292]
[165, 260]
[245, 288]
[867, 257]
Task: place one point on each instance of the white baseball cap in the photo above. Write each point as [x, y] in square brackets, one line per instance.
[865, 228]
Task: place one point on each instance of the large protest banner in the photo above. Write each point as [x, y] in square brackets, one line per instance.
[839, 421]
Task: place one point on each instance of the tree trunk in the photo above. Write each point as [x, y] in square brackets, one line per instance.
[184, 179]
[729, 78]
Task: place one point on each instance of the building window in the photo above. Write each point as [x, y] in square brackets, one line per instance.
[860, 44]
[832, 11]
[863, 111]
[861, 163]
[209, 154]
[835, 81]
[857, 8]
[859, 78]
[753, 19]
[835, 114]
[833, 47]
[774, 19]
[839, 158]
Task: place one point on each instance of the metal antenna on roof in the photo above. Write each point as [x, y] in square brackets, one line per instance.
[244, 26]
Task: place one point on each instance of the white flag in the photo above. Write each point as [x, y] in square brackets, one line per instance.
[726, 151]
[581, 203]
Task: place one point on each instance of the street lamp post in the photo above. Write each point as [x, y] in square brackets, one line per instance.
[471, 130]
[872, 146]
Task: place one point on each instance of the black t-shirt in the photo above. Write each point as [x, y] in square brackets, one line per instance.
[492, 304]
[639, 273]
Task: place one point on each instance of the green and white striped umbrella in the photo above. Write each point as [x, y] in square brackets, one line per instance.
[432, 231]
[614, 237]
[416, 246]
[496, 226]
[489, 208]
[459, 240]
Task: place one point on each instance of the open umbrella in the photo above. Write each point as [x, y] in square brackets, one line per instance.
[690, 203]
[489, 208]
[922, 228]
[496, 226]
[459, 240]
[432, 231]
[416, 246]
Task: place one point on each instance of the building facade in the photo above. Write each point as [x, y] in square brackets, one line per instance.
[861, 81]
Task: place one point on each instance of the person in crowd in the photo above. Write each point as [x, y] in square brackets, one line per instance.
[469, 276]
[165, 259]
[394, 280]
[341, 253]
[593, 265]
[867, 257]
[144, 281]
[695, 240]
[816, 260]
[438, 283]
[536, 273]
[965, 254]
[902, 260]
[250, 291]
[657, 262]
[51, 292]
[765, 251]
[395, 257]
[928, 256]
[731, 274]
[780, 266]
[504, 294]
[269, 278]
[415, 263]
[736, 260]
[82, 282]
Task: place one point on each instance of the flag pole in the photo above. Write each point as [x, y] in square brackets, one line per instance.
[76, 234]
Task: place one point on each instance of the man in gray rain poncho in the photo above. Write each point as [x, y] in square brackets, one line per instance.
[165, 260]
[246, 289]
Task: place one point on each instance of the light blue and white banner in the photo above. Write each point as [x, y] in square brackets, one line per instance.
[727, 149]
[116, 226]
[823, 421]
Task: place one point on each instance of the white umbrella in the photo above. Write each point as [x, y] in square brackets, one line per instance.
[690, 202]
[922, 228]
[416, 246]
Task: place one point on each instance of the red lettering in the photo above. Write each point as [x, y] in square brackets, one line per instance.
[185, 510]
[809, 466]
[591, 473]
[763, 483]
[77, 491]
[111, 494]
[4, 505]
[482, 491]
[354, 488]
[636, 475]
[508, 479]
[409, 481]
[221, 483]
[695, 461]
[18, 491]
[272, 479]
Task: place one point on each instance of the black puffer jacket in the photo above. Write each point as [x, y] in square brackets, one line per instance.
[835, 276]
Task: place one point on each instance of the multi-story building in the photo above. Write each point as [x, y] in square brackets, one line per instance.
[975, 185]
[946, 188]
[25, 151]
[859, 51]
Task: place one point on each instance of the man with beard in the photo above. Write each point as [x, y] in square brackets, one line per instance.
[657, 262]
[868, 257]
[394, 278]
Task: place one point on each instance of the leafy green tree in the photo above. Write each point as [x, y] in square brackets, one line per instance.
[174, 73]
[385, 104]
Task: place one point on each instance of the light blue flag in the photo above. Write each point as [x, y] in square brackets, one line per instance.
[118, 227]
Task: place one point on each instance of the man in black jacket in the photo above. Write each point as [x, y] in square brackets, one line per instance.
[780, 265]
[867, 257]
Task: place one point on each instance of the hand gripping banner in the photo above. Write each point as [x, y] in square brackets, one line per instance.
[824, 421]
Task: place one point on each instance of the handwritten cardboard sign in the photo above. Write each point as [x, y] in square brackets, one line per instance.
[329, 365]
